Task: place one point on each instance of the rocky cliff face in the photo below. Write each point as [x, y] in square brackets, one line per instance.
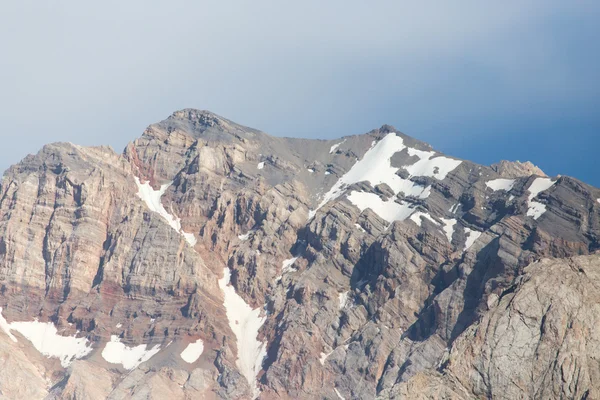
[211, 260]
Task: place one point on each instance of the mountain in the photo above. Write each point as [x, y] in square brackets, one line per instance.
[211, 260]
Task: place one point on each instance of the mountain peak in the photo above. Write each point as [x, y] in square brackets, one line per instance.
[191, 257]
[205, 117]
[516, 169]
[203, 123]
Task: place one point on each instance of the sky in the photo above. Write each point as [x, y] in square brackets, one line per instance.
[478, 80]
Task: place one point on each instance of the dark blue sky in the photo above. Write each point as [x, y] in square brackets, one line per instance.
[478, 80]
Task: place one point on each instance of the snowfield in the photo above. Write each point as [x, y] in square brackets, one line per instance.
[130, 358]
[388, 210]
[435, 167]
[536, 209]
[45, 338]
[193, 351]
[152, 199]
[333, 148]
[449, 227]
[375, 167]
[416, 218]
[472, 236]
[245, 324]
[501, 184]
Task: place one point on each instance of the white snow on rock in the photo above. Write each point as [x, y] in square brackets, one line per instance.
[45, 338]
[343, 298]
[261, 165]
[449, 227]
[333, 148]
[310, 170]
[323, 357]
[193, 351]
[501, 184]
[152, 199]
[287, 265]
[360, 228]
[245, 324]
[416, 218]
[339, 395]
[130, 358]
[536, 209]
[472, 236]
[246, 235]
[436, 167]
[388, 210]
[327, 173]
[454, 208]
[189, 237]
[375, 167]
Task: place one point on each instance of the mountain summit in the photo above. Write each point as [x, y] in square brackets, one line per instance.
[211, 260]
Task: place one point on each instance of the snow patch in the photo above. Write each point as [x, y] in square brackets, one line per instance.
[45, 338]
[416, 218]
[246, 235]
[130, 358]
[245, 324]
[193, 351]
[436, 167]
[327, 173]
[339, 394]
[323, 357]
[333, 148]
[454, 208]
[536, 209]
[286, 266]
[152, 199]
[375, 167]
[388, 210]
[190, 238]
[449, 227]
[501, 184]
[261, 165]
[310, 170]
[343, 298]
[360, 228]
[472, 236]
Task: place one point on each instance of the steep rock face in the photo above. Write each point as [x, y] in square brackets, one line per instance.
[539, 339]
[376, 266]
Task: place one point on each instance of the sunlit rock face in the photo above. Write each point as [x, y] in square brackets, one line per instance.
[211, 260]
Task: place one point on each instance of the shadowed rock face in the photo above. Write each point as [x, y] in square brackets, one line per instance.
[380, 267]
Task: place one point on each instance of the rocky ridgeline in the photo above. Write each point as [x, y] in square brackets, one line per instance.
[211, 260]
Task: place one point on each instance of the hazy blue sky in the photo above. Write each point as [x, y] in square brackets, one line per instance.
[477, 79]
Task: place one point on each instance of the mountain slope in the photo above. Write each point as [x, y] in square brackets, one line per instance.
[360, 267]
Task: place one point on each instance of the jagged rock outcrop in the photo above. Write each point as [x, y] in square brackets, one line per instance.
[211, 260]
